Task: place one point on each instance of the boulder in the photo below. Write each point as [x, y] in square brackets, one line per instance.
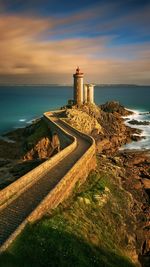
[43, 149]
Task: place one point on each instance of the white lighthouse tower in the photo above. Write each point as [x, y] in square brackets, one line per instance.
[82, 93]
[78, 87]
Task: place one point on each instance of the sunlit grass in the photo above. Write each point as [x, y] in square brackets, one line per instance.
[84, 231]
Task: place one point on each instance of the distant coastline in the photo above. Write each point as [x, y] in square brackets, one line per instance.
[68, 85]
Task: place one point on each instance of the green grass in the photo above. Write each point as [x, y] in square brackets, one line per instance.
[43, 245]
[81, 232]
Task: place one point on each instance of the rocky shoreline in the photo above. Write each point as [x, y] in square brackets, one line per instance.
[22, 150]
[106, 125]
[33, 144]
[136, 180]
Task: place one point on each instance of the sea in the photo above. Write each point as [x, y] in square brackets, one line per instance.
[19, 105]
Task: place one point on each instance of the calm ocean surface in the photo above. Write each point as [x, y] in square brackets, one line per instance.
[20, 104]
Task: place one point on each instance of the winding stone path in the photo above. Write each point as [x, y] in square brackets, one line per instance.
[20, 208]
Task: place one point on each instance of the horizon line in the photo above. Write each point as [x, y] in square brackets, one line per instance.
[68, 84]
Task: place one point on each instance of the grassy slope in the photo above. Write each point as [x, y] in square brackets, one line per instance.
[86, 230]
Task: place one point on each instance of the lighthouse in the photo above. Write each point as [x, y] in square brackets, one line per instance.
[78, 87]
[83, 93]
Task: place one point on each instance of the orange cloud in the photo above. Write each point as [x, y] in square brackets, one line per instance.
[24, 50]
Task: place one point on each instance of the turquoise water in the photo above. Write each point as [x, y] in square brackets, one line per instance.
[20, 104]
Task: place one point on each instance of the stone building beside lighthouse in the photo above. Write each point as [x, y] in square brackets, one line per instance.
[83, 93]
[88, 93]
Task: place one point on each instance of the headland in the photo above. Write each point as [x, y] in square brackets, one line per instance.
[126, 171]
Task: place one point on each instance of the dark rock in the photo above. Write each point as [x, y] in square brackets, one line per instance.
[135, 122]
[114, 106]
[137, 137]
[144, 113]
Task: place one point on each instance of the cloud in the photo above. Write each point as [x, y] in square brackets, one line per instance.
[28, 49]
[23, 49]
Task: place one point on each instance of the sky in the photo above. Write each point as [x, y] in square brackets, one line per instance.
[43, 41]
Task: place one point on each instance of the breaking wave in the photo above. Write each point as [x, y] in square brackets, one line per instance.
[143, 144]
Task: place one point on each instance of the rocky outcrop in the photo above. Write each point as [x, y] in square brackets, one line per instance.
[116, 132]
[42, 150]
[114, 106]
[104, 123]
[28, 147]
[81, 120]
[136, 180]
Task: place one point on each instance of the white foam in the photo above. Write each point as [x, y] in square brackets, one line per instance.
[133, 110]
[141, 144]
[22, 120]
[30, 121]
